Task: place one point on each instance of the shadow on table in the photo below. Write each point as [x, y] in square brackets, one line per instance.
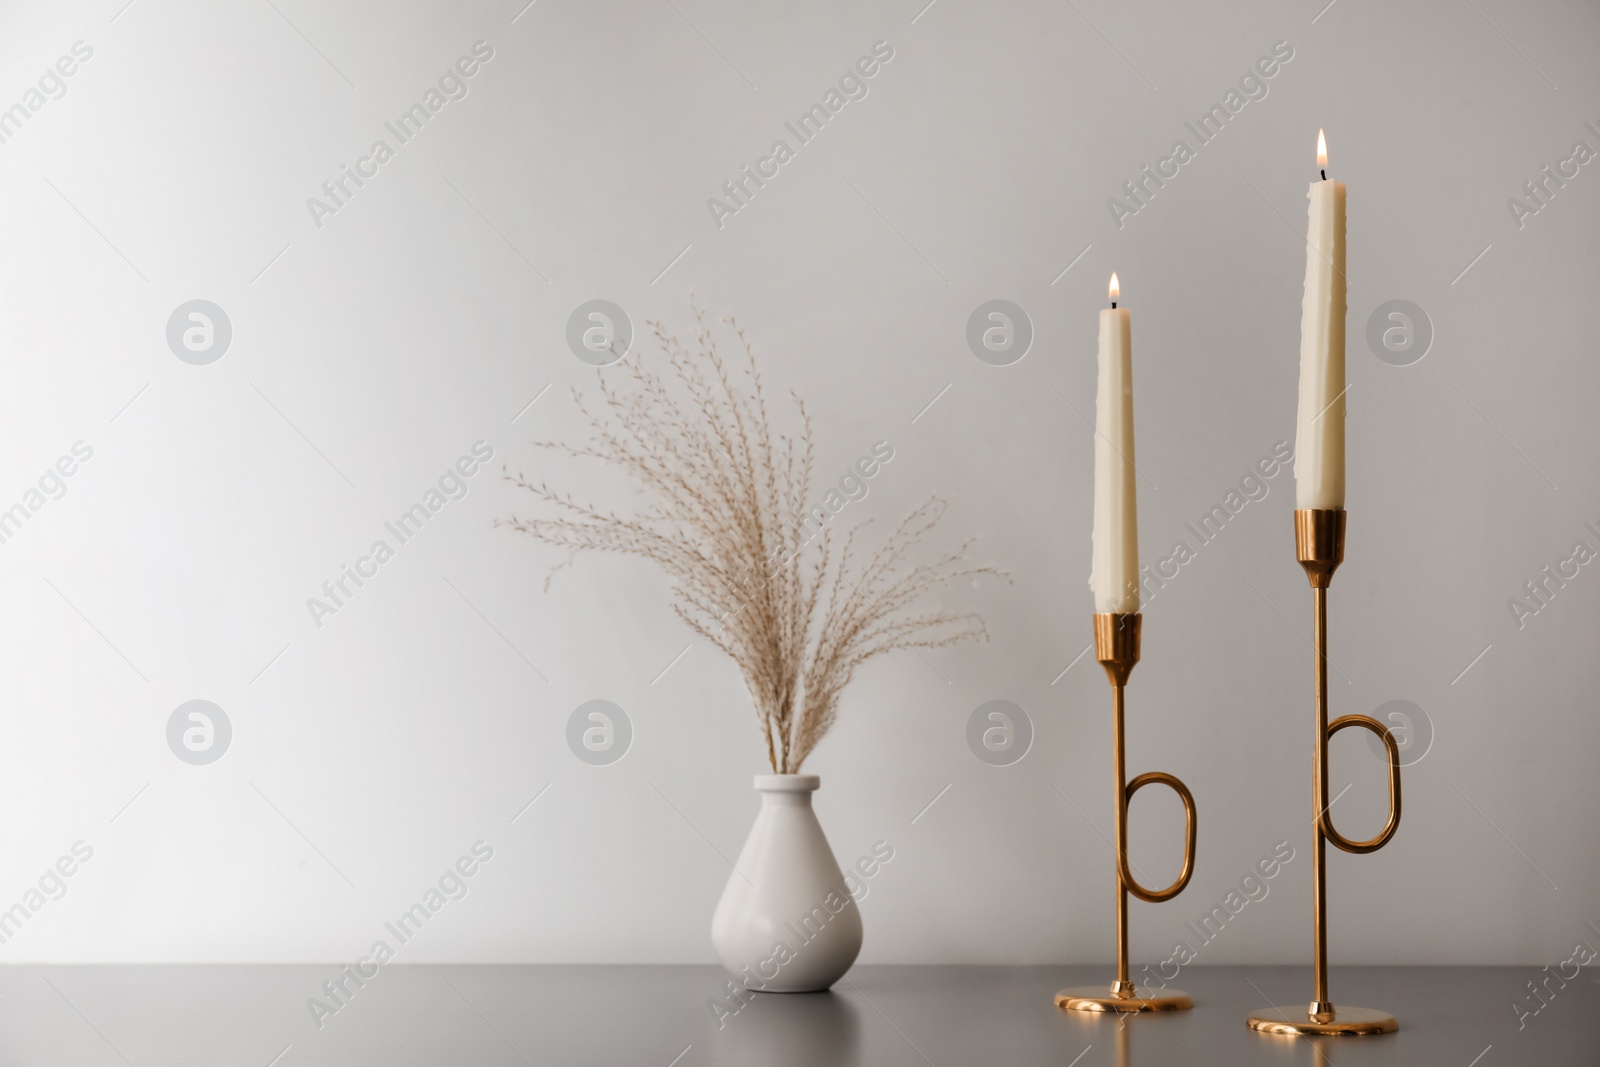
[791, 1030]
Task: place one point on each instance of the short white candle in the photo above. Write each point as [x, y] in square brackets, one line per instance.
[1319, 436]
[1114, 572]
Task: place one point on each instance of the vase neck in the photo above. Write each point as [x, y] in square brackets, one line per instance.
[786, 790]
[786, 800]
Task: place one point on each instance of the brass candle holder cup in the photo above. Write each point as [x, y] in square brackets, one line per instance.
[1319, 543]
[1116, 646]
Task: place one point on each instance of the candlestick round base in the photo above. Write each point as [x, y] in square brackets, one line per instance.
[1096, 998]
[1296, 1021]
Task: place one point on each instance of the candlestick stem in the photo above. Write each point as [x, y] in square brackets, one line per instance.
[1122, 839]
[1319, 801]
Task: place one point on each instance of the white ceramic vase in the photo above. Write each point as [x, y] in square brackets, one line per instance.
[786, 923]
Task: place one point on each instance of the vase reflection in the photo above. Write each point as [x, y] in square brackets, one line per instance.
[791, 1030]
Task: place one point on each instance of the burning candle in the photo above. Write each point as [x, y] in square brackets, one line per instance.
[1114, 570]
[1319, 436]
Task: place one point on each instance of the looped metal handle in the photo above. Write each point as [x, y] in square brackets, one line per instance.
[1325, 819]
[1155, 896]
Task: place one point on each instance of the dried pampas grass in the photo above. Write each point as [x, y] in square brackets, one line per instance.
[754, 565]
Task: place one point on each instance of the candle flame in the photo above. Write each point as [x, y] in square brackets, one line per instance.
[1322, 150]
[1116, 287]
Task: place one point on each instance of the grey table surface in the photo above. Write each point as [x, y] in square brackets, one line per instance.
[659, 1016]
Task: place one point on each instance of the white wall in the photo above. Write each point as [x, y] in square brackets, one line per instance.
[426, 313]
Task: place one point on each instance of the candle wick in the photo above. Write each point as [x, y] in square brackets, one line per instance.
[1113, 305]
[1324, 175]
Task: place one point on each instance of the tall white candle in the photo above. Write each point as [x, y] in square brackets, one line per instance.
[1114, 572]
[1319, 435]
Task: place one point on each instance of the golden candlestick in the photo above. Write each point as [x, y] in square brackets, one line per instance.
[1319, 543]
[1116, 646]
